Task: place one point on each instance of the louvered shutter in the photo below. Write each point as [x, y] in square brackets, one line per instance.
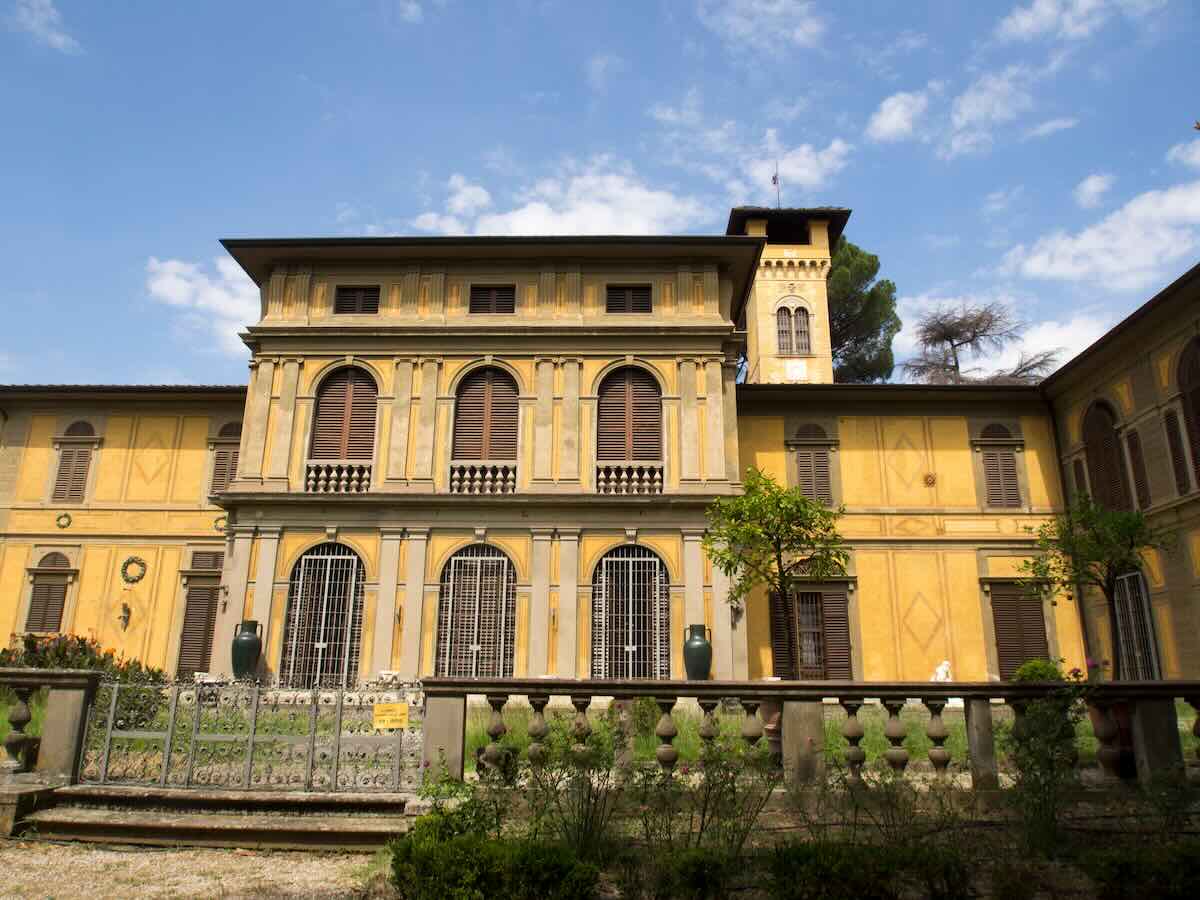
[486, 415]
[47, 598]
[225, 461]
[1189, 385]
[627, 298]
[803, 344]
[1081, 487]
[1020, 627]
[1000, 478]
[199, 620]
[208, 559]
[1106, 470]
[500, 436]
[783, 329]
[357, 299]
[835, 609]
[71, 479]
[493, 298]
[344, 421]
[1138, 464]
[1175, 445]
[629, 417]
[812, 467]
[783, 638]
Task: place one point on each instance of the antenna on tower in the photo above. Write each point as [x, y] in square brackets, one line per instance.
[775, 181]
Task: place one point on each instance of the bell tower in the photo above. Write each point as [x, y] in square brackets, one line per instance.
[787, 317]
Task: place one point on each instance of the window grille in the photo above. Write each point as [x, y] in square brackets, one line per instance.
[783, 329]
[631, 613]
[1137, 650]
[477, 612]
[803, 344]
[810, 634]
[323, 631]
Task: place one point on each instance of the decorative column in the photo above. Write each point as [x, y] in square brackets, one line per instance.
[689, 424]
[264, 585]
[258, 411]
[385, 604]
[281, 444]
[426, 421]
[543, 421]
[414, 596]
[693, 577]
[568, 601]
[234, 576]
[397, 458]
[539, 606]
[568, 437]
[714, 422]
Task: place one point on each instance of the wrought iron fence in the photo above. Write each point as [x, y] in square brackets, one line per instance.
[249, 736]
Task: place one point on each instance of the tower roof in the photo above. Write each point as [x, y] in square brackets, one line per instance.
[789, 225]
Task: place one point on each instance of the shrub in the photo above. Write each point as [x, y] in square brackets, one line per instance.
[841, 870]
[1162, 871]
[72, 651]
[692, 873]
[1038, 670]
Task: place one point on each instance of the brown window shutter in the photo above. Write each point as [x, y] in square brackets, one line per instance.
[350, 300]
[71, 479]
[629, 417]
[812, 467]
[344, 421]
[1020, 627]
[199, 620]
[803, 344]
[1106, 469]
[500, 437]
[783, 638]
[486, 416]
[1178, 459]
[1138, 464]
[208, 559]
[493, 298]
[224, 468]
[470, 411]
[835, 610]
[1189, 386]
[627, 298]
[1000, 478]
[47, 598]
[783, 328]
[1081, 487]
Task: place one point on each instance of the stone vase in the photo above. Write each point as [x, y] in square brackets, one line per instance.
[247, 648]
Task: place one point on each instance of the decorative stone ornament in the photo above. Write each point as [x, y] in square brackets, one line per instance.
[63, 520]
[220, 522]
[133, 570]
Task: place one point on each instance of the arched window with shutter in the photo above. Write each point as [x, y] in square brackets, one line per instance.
[1137, 463]
[998, 452]
[1189, 387]
[812, 450]
[783, 323]
[803, 344]
[225, 457]
[48, 593]
[343, 433]
[1105, 467]
[484, 444]
[477, 614]
[76, 446]
[1178, 458]
[629, 417]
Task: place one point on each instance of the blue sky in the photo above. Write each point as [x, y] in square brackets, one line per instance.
[1037, 152]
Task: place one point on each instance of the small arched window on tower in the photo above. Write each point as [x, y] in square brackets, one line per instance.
[783, 322]
[48, 595]
[76, 446]
[800, 321]
[225, 456]
[998, 451]
[812, 450]
[792, 331]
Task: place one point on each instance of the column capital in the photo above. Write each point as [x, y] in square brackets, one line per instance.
[417, 533]
[568, 534]
[389, 533]
[241, 531]
[269, 531]
[542, 534]
[692, 534]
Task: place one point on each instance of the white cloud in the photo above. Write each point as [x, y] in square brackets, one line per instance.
[600, 196]
[42, 19]
[1051, 126]
[409, 10]
[1128, 250]
[217, 305]
[991, 99]
[765, 25]
[600, 70]
[1002, 200]
[466, 198]
[1068, 20]
[806, 166]
[687, 113]
[1187, 154]
[898, 116]
[1089, 192]
[785, 110]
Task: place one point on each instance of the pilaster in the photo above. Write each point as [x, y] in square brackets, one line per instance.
[281, 443]
[234, 576]
[414, 595]
[568, 601]
[250, 460]
[693, 577]
[539, 607]
[543, 421]
[264, 584]
[385, 604]
[689, 425]
[426, 421]
[568, 438]
[397, 458]
[714, 421]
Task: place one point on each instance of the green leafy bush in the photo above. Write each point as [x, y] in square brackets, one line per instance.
[1038, 670]
[842, 870]
[689, 873]
[1163, 871]
[72, 651]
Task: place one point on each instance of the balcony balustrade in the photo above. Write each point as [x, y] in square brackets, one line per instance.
[474, 476]
[629, 477]
[337, 476]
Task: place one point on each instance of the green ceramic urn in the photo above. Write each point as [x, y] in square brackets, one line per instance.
[247, 647]
[697, 653]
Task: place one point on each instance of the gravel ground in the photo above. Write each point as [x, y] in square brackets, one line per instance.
[34, 869]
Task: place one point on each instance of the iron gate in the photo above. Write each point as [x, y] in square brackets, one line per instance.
[250, 737]
[477, 612]
[631, 611]
[323, 634]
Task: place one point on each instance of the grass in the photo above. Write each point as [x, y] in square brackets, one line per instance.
[37, 709]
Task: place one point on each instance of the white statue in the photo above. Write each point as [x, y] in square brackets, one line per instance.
[942, 672]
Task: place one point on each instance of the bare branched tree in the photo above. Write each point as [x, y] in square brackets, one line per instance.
[946, 334]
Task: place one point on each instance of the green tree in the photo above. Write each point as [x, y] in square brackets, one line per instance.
[1090, 546]
[772, 535]
[862, 316]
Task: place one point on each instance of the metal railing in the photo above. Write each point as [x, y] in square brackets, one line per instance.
[1148, 708]
[629, 477]
[475, 476]
[337, 476]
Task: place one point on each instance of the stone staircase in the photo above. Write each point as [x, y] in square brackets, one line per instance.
[212, 818]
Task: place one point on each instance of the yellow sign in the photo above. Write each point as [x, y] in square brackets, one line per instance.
[390, 715]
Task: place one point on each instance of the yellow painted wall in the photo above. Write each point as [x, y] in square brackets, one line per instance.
[33, 481]
[13, 560]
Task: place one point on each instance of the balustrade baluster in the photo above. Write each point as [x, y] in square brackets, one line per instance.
[1108, 754]
[17, 741]
[708, 726]
[665, 753]
[896, 755]
[937, 732]
[752, 728]
[538, 729]
[581, 726]
[496, 729]
[852, 731]
[1195, 704]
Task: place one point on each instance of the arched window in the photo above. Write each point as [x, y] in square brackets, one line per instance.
[74, 459]
[1001, 484]
[1189, 387]
[812, 449]
[783, 326]
[322, 636]
[225, 456]
[631, 615]
[344, 420]
[1106, 471]
[629, 417]
[477, 615]
[803, 345]
[485, 416]
[48, 596]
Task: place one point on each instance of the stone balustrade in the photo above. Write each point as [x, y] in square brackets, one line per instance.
[780, 711]
[337, 476]
[473, 476]
[53, 757]
[629, 478]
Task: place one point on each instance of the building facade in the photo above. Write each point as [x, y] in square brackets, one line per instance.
[492, 456]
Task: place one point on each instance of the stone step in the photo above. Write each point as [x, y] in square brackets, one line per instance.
[213, 829]
[203, 800]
